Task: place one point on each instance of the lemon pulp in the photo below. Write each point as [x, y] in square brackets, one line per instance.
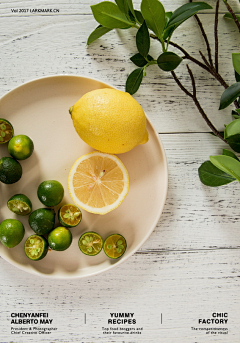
[98, 182]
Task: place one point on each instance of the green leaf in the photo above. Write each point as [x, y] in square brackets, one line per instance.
[134, 81]
[186, 11]
[126, 6]
[97, 33]
[212, 176]
[232, 134]
[232, 128]
[139, 60]
[109, 15]
[229, 16]
[168, 31]
[143, 40]
[167, 17]
[235, 116]
[229, 95]
[230, 153]
[130, 6]
[227, 164]
[237, 76]
[138, 16]
[168, 61]
[122, 5]
[236, 62]
[234, 142]
[154, 14]
[235, 113]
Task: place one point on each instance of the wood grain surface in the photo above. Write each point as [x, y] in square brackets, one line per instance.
[189, 267]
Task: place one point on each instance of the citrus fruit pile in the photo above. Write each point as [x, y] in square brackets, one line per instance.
[48, 237]
[20, 147]
[108, 120]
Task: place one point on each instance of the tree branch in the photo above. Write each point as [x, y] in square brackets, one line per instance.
[193, 82]
[206, 40]
[207, 65]
[212, 71]
[204, 37]
[216, 35]
[194, 97]
[189, 57]
[180, 84]
[230, 10]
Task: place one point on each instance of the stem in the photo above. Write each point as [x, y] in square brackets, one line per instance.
[205, 39]
[230, 10]
[212, 71]
[216, 35]
[164, 49]
[163, 46]
[189, 57]
[194, 98]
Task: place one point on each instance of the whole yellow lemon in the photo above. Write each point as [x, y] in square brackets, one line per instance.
[109, 120]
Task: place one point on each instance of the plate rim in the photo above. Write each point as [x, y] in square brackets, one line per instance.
[165, 191]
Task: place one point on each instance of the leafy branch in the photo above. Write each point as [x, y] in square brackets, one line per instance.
[153, 22]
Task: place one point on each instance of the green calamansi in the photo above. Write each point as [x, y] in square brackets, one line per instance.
[11, 232]
[60, 238]
[50, 192]
[20, 147]
[10, 170]
[42, 220]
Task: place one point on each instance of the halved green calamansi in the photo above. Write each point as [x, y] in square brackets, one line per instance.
[90, 243]
[69, 215]
[6, 131]
[20, 204]
[36, 247]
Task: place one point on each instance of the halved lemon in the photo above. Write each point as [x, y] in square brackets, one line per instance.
[98, 182]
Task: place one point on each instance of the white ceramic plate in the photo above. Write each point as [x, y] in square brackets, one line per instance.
[39, 109]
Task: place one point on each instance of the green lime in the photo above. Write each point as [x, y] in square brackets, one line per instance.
[42, 220]
[20, 204]
[10, 170]
[115, 246]
[60, 238]
[36, 247]
[69, 215]
[6, 131]
[20, 147]
[11, 232]
[50, 192]
[90, 243]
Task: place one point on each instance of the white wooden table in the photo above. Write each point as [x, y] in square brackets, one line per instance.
[189, 268]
